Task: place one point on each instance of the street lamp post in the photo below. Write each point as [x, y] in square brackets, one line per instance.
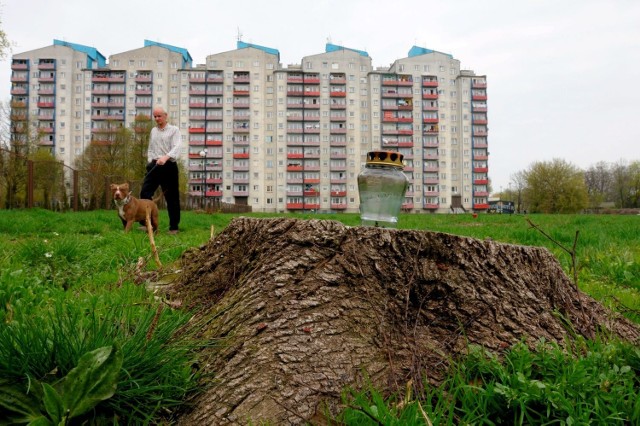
[203, 155]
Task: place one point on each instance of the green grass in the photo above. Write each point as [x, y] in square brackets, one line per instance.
[66, 289]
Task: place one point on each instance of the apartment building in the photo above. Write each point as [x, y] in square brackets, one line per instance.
[48, 91]
[277, 138]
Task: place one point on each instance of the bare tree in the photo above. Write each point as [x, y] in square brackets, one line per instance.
[519, 181]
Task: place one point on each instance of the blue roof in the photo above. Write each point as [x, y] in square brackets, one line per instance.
[334, 48]
[92, 53]
[186, 57]
[417, 51]
[269, 50]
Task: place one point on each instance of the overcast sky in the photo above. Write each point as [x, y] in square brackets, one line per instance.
[563, 75]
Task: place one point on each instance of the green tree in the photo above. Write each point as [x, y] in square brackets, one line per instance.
[555, 187]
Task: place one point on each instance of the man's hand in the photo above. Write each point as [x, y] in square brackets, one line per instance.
[162, 160]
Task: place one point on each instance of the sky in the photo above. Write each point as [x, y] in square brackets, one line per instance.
[563, 76]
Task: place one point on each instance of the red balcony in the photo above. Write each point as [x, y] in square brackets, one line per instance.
[311, 80]
[430, 83]
[478, 97]
[294, 206]
[312, 93]
[311, 193]
[311, 180]
[213, 142]
[196, 130]
[293, 168]
[311, 206]
[336, 94]
[478, 84]
[429, 96]
[482, 206]
[338, 193]
[407, 206]
[46, 66]
[45, 104]
[429, 206]
[481, 193]
[480, 169]
[295, 155]
[213, 194]
[481, 157]
[481, 181]
[431, 180]
[19, 91]
[430, 120]
[338, 206]
[19, 66]
[237, 92]
[18, 78]
[240, 155]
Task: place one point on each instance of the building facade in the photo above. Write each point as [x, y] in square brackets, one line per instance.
[279, 139]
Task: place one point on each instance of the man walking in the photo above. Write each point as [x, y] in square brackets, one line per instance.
[162, 168]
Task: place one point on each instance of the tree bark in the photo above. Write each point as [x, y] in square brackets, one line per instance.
[298, 310]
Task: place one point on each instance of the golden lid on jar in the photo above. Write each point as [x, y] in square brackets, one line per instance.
[388, 158]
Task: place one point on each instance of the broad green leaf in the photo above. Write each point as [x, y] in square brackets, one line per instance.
[52, 403]
[13, 399]
[93, 380]
[41, 421]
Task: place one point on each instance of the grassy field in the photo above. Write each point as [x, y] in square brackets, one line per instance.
[65, 293]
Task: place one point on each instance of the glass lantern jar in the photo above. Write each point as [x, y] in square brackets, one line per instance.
[382, 186]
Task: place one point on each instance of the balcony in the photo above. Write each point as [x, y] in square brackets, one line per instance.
[481, 181]
[430, 95]
[48, 65]
[430, 82]
[338, 193]
[480, 169]
[481, 206]
[240, 155]
[311, 206]
[45, 104]
[108, 78]
[481, 194]
[430, 120]
[338, 206]
[115, 117]
[294, 168]
[429, 206]
[478, 84]
[19, 91]
[18, 78]
[196, 129]
[479, 97]
[337, 94]
[294, 206]
[19, 66]
[143, 78]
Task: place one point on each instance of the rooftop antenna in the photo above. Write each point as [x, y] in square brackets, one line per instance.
[239, 36]
[329, 40]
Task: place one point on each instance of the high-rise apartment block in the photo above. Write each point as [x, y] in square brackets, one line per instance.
[272, 137]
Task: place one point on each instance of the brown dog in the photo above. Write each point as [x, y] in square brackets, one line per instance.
[132, 209]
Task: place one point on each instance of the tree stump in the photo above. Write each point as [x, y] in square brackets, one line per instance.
[297, 310]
